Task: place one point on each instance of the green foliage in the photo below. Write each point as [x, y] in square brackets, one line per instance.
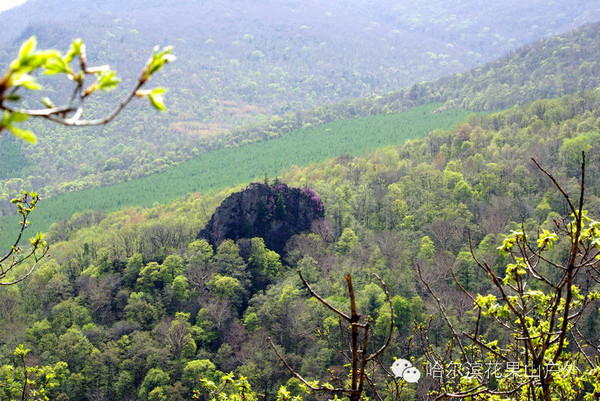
[427, 248]
[348, 240]
[391, 199]
[8, 121]
[537, 337]
[173, 264]
[154, 379]
[133, 268]
[227, 259]
[13, 266]
[69, 313]
[199, 253]
[371, 299]
[157, 61]
[124, 384]
[153, 276]
[571, 148]
[232, 389]
[181, 287]
[263, 264]
[140, 311]
[225, 287]
[74, 348]
[31, 382]
[251, 321]
[180, 338]
[232, 166]
[20, 75]
[198, 370]
[536, 302]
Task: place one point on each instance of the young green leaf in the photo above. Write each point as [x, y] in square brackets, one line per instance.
[18, 117]
[56, 65]
[48, 103]
[25, 80]
[21, 133]
[108, 80]
[27, 49]
[156, 97]
[74, 50]
[157, 61]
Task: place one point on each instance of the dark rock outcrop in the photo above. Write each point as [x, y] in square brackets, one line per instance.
[274, 213]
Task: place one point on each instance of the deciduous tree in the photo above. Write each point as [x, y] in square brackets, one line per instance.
[538, 303]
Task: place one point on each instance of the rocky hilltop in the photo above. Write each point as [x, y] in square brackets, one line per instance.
[274, 213]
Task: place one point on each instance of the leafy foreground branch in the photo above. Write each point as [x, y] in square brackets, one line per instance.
[20, 77]
[17, 256]
[231, 389]
[534, 310]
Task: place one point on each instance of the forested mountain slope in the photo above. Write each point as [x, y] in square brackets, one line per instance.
[242, 61]
[549, 68]
[133, 303]
[226, 167]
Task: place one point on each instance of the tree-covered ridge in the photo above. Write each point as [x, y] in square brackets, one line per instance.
[241, 63]
[552, 67]
[231, 166]
[549, 68]
[135, 305]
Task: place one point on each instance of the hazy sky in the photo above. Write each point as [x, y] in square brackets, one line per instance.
[6, 4]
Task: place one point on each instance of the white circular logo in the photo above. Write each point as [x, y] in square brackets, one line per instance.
[402, 368]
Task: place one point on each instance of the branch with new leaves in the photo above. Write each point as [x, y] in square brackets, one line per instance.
[17, 256]
[74, 66]
[538, 303]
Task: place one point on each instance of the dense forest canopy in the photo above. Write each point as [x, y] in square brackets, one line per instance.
[568, 60]
[423, 196]
[118, 287]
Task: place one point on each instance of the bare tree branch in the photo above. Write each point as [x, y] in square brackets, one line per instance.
[361, 365]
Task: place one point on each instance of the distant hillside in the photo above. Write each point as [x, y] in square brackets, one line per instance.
[550, 68]
[243, 61]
